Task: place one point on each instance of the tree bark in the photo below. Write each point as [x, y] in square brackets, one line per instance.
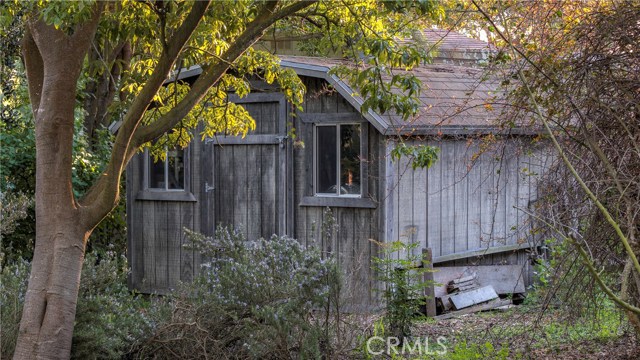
[54, 61]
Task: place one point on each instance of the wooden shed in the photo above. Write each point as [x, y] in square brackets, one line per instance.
[469, 208]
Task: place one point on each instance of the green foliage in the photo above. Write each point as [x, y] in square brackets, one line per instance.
[89, 159]
[14, 208]
[604, 324]
[383, 87]
[465, 351]
[252, 299]
[13, 286]
[109, 319]
[402, 273]
[421, 156]
[17, 158]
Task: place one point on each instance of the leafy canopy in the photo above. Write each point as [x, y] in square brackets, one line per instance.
[366, 31]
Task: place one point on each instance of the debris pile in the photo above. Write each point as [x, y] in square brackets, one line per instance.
[465, 290]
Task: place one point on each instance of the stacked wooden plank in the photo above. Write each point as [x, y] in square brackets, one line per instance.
[505, 279]
[463, 284]
[474, 289]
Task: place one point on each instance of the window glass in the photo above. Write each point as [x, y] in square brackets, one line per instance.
[350, 159]
[167, 174]
[326, 161]
[175, 175]
[156, 173]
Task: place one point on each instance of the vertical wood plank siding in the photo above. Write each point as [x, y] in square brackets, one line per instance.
[467, 200]
[155, 228]
[350, 243]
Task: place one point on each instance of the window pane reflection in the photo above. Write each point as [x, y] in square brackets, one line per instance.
[350, 159]
[167, 174]
[156, 173]
[175, 176]
[326, 161]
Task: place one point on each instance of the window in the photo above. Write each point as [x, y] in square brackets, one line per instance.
[337, 158]
[166, 180]
[168, 174]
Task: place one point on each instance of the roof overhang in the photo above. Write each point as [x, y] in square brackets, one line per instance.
[381, 123]
[343, 89]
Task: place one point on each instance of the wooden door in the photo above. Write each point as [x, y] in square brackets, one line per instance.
[246, 178]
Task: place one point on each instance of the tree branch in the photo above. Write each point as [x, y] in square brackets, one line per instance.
[104, 194]
[214, 72]
[35, 69]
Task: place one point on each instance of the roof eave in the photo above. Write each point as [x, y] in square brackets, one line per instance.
[343, 89]
[454, 130]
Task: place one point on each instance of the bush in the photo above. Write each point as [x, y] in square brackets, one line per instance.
[17, 210]
[253, 299]
[13, 286]
[402, 274]
[109, 319]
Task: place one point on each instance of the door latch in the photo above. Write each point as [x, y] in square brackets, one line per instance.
[281, 140]
[207, 187]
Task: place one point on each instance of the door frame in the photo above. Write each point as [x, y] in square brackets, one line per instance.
[284, 171]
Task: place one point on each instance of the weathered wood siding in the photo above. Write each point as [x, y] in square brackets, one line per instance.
[250, 175]
[354, 228]
[155, 230]
[467, 200]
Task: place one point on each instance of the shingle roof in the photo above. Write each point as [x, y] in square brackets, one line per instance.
[447, 40]
[454, 99]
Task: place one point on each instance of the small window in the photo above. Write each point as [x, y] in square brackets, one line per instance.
[168, 174]
[337, 160]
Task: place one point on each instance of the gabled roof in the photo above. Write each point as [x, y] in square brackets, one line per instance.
[455, 99]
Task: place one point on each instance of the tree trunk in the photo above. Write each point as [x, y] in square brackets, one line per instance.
[54, 61]
[46, 328]
[49, 311]
[50, 304]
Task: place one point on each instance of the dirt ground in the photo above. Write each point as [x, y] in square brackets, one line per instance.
[531, 336]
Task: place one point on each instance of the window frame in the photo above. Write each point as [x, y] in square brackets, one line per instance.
[159, 194]
[337, 126]
[311, 198]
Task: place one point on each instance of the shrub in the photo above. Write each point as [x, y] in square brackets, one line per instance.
[253, 299]
[16, 215]
[109, 319]
[13, 286]
[403, 279]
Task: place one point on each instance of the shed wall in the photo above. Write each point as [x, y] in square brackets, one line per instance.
[155, 229]
[349, 238]
[468, 200]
